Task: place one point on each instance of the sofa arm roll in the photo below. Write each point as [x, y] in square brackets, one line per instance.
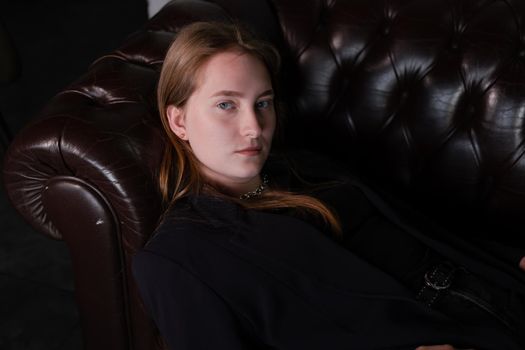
[84, 172]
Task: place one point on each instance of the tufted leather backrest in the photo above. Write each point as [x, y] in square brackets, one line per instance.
[424, 98]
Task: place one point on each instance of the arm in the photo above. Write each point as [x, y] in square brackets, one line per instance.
[522, 263]
[188, 313]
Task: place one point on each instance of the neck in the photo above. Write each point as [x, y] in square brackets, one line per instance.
[237, 189]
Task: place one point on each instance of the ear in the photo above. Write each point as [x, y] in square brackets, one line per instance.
[176, 121]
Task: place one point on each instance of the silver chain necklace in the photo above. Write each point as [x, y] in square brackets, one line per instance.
[257, 192]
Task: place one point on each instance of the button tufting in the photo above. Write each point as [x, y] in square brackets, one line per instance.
[386, 29]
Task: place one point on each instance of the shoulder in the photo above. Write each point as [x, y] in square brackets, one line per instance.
[179, 219]
[195, 225]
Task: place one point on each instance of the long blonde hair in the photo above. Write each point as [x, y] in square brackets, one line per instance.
[179, 173]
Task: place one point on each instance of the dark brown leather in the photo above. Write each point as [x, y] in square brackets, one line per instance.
[426, 98]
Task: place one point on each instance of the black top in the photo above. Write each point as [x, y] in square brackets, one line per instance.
[217, 276]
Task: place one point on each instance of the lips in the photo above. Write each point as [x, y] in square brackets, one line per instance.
[250, 151]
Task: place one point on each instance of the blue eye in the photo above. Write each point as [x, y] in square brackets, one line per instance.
[225, 105]
[263, 104]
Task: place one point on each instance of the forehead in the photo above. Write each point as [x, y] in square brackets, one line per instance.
[231, 68]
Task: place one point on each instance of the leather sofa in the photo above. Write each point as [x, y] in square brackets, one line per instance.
[425, 99]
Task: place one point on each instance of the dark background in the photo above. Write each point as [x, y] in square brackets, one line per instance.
[55, 40]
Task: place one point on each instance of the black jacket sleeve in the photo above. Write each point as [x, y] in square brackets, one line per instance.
[188, 313]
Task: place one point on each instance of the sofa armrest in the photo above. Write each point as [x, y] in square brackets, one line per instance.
[83, 172]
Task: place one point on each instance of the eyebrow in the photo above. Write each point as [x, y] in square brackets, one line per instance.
[240, 94]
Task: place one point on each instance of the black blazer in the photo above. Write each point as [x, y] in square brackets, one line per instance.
[216, 276]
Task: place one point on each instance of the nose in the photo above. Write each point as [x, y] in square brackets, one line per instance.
[251, 125]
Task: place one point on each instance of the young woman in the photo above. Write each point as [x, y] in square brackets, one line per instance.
[249, 257]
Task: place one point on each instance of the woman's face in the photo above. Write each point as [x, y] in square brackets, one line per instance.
[229, 120]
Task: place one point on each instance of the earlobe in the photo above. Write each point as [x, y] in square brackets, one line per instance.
[176, 121]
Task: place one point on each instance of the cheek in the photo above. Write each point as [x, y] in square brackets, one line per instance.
[198, 124]
[220, 134]
[209, 135]
[270, 127]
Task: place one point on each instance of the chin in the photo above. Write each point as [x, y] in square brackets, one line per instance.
[247, 174]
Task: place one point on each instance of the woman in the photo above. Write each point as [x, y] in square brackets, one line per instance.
[241, 260]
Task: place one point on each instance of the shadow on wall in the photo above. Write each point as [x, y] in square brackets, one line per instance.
[56, 41]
